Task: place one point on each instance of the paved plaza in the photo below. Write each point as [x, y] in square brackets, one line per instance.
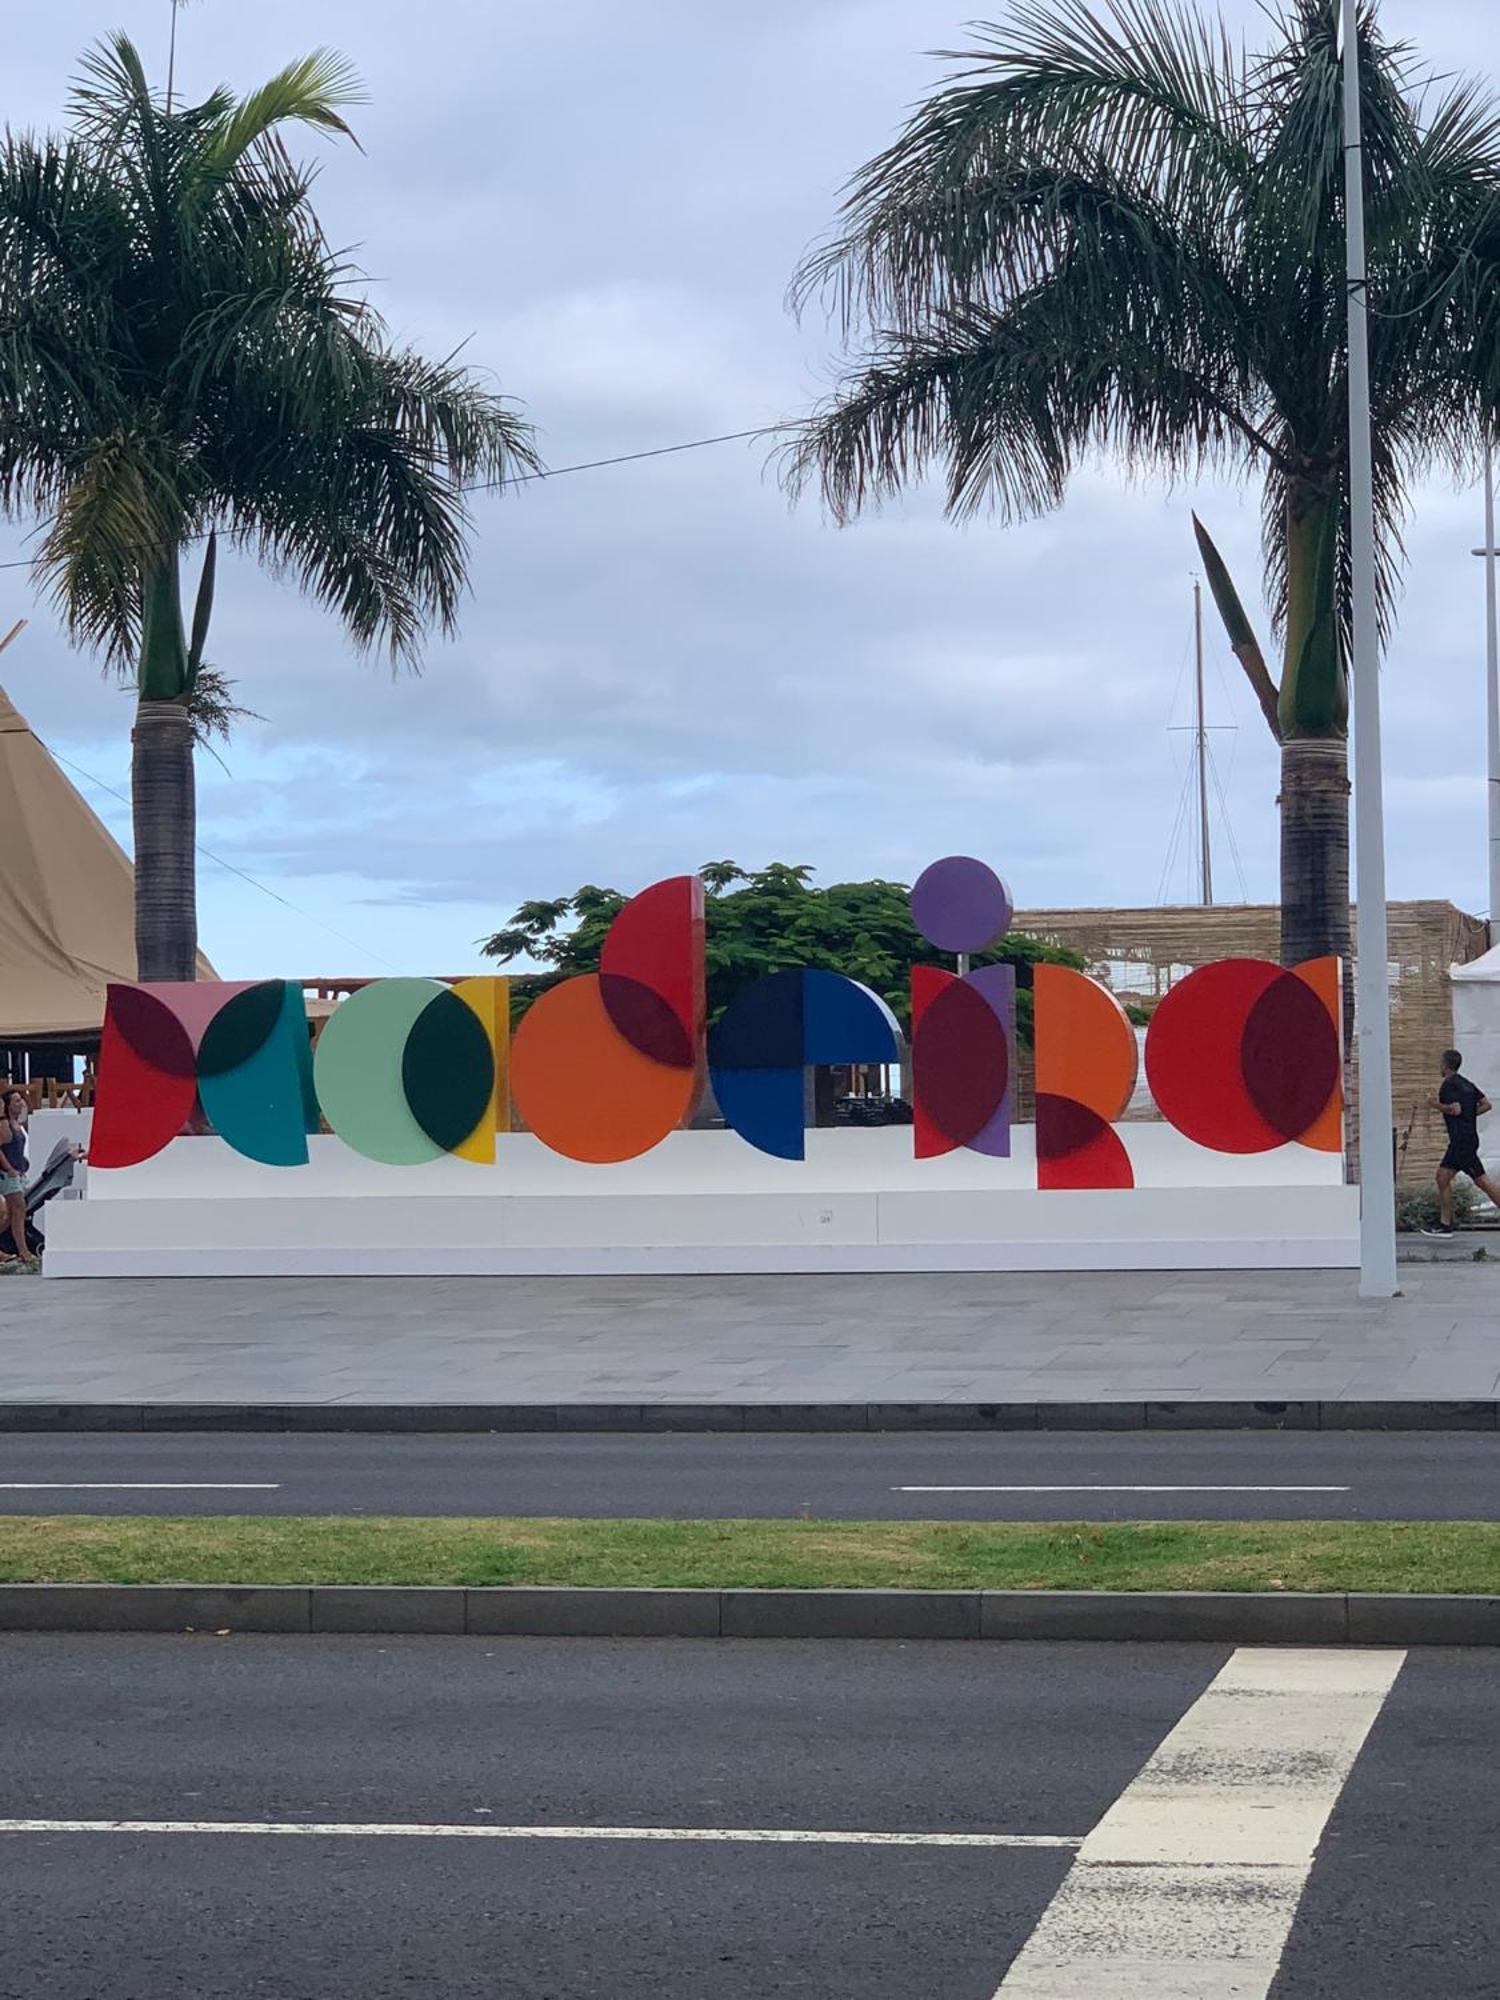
[889, 1339]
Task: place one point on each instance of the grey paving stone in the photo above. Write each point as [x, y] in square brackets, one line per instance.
[849, 1614]
[807, 1417]
[952, 1416]
[1096, 1416]
[1246, 1415]
[1412, 1414]
[215, 1417]
[105, 1348]
[354, 1608]
[1227, 1617]
[1424, 1621]
[104, 1607]
[38, 1416]
[602, 1614]
[692, 1417]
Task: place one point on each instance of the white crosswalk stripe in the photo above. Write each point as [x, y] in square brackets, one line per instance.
[1188, 1887]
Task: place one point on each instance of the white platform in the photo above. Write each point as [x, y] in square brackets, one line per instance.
[704, 1202]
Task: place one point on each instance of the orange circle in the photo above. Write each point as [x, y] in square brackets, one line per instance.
[583, 1089]
[1085, 1045]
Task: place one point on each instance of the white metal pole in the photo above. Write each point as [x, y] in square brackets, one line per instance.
[1377, 1177]
[1492, 686]
[1205, 864]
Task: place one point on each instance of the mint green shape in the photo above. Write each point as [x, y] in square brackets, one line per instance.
[264, 1106]
[357, 1071]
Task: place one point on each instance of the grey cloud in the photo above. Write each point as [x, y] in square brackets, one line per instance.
[665, 663]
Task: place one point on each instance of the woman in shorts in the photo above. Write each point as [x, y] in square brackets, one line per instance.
[13, 1115]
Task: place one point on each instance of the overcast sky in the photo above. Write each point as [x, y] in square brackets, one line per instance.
[664, 664]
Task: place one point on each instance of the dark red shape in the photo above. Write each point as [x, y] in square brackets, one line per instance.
[152, 1031]
[960, 1062]
[1075, 1148]
[1289, 1056]
[1195, 1056]
[927, 982]
[657, 941]
[138, 1108]
[646, 1020]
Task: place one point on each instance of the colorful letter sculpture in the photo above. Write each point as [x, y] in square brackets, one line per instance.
[606, 1065]
[778, 1029]
[963, 1026]
[241, 1052]
[409, 1069]
[1243, 1056]
[1085, 1073]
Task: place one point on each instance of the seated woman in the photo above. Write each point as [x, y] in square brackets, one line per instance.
[14, 1113]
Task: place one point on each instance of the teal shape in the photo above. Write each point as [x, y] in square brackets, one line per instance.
[358, 1071]
[263, 1105]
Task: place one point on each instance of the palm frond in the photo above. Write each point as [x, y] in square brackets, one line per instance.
[180, 347]
[314, 91]
[1142, 104]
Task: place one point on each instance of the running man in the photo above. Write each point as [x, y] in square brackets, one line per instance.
[1463, 1104]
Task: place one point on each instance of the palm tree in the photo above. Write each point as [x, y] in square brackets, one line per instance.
[1112, 231]
[183, 357]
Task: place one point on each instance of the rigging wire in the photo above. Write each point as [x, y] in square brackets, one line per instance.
[1234, 846]
[209, 855]
[526, 478]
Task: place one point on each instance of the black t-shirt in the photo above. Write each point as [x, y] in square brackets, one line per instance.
[1463, 1129]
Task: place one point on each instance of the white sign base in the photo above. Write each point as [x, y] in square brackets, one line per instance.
[703, 1202]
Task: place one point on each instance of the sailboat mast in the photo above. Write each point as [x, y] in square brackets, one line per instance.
[1206, 868]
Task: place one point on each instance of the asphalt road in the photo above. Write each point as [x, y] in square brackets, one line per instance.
[1225, 1475]
[1017, 1744]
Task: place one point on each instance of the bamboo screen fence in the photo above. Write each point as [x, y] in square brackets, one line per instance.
[1139, 954]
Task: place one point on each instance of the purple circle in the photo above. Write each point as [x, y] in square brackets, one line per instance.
[960, 904]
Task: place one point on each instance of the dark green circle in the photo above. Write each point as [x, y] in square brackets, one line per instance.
[448, 1070]
[241, 1026]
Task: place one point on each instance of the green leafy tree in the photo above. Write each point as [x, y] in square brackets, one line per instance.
[182, 356]
[1113, 231]
[771, 920]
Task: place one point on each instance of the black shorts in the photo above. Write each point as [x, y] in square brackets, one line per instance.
[1462, 1159]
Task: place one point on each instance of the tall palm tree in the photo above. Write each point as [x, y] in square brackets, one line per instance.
[183, 356]
[1113, 231]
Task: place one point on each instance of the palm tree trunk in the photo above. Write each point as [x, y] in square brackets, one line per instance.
[1314, 715]
[163, 799]
[1314, 848]
[164, 812]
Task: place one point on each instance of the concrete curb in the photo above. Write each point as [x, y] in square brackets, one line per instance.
[1227, 1618]
[1410, 1414]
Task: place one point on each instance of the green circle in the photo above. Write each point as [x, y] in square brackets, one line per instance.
[357, 1072]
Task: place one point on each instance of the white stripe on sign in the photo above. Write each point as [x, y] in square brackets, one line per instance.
[1187, 1888]
[136, 1486]
[1119, 1489]
[419, 1830]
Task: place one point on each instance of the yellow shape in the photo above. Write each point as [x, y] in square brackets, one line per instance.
[490, 1000]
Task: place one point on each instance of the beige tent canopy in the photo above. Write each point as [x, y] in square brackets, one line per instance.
[67, 899]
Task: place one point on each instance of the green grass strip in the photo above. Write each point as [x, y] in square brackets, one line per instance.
[1448, 1556]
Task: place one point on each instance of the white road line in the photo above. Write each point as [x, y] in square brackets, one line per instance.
[1187, 1888]
[419, 1830]
[1119, 1489]
[137, 1486]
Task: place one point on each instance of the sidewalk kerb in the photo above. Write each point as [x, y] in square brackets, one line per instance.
[1139, 1617]
[1260, 1414]
[1235, 1618]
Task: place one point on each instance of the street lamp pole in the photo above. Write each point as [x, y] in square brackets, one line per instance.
[1377, 1175]
[1492, 686]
